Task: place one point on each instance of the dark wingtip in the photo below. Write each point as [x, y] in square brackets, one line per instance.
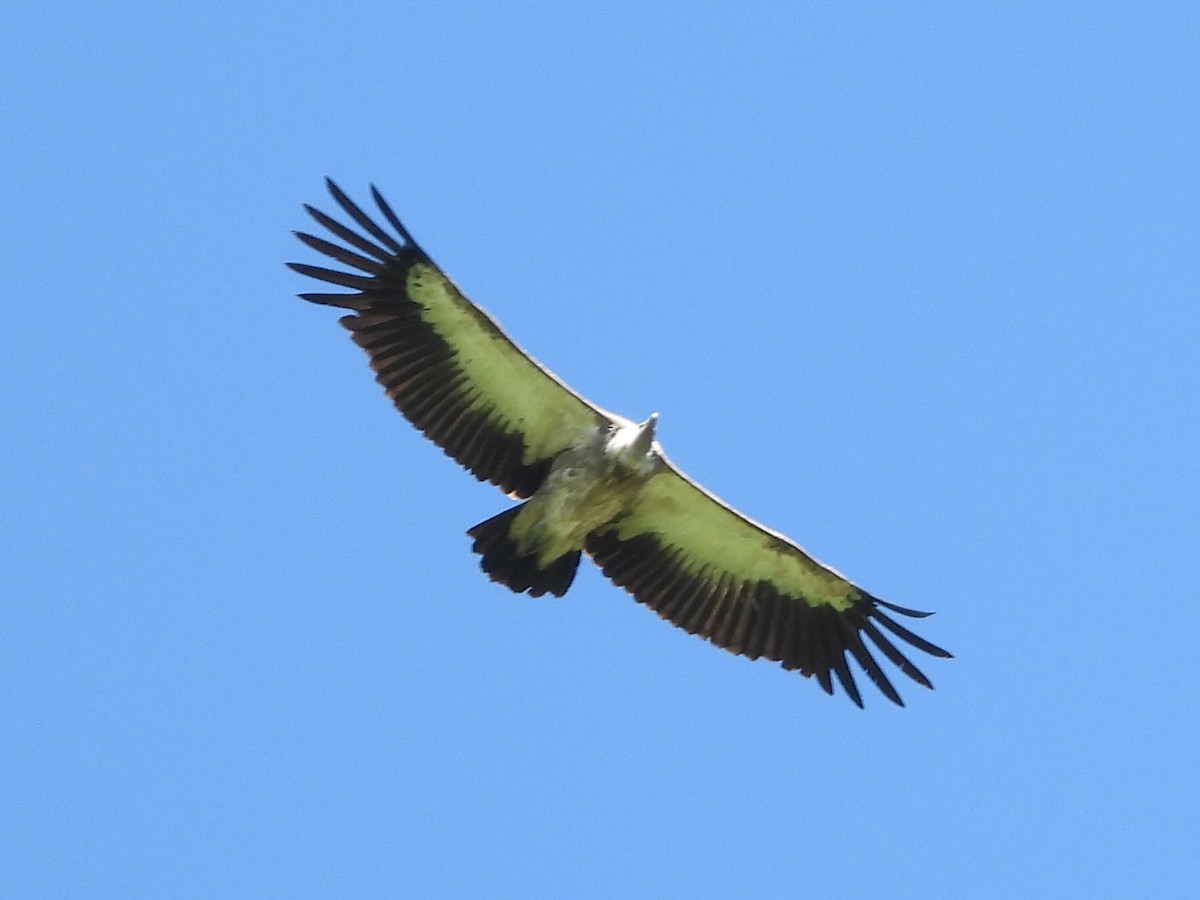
[927, 646]
[390, 215]
[337, 193]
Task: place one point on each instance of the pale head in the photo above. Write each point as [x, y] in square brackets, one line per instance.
[633, 440]
[645, 436]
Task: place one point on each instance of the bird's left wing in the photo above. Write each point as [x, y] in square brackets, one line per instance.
[442, 360]
[708, 569]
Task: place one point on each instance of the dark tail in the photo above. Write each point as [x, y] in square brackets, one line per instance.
[504, 564]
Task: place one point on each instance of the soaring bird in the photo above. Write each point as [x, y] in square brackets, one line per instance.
[592, 481]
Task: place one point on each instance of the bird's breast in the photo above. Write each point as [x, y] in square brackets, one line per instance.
[577, 498]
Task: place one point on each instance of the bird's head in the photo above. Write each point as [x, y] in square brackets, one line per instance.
[645, 435]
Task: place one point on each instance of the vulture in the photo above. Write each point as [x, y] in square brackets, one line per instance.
[592, 482]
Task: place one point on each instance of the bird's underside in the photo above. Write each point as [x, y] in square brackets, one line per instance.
[593, 482]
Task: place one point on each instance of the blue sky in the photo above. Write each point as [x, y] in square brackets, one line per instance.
[916, 285]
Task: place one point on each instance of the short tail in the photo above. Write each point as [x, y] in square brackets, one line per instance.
[519, 572]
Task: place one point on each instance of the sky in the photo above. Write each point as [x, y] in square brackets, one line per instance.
[915, 284]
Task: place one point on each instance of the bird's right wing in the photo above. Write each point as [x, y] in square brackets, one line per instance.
[444, 362]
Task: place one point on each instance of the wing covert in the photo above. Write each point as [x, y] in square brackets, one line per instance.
[445, 364]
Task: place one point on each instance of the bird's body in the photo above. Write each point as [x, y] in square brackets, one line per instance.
[589, 486]
[593, 482]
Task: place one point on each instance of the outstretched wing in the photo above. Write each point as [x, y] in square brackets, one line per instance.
[444, 362]
[705, 567]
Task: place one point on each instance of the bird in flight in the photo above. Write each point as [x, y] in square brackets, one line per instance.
[592, 482]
